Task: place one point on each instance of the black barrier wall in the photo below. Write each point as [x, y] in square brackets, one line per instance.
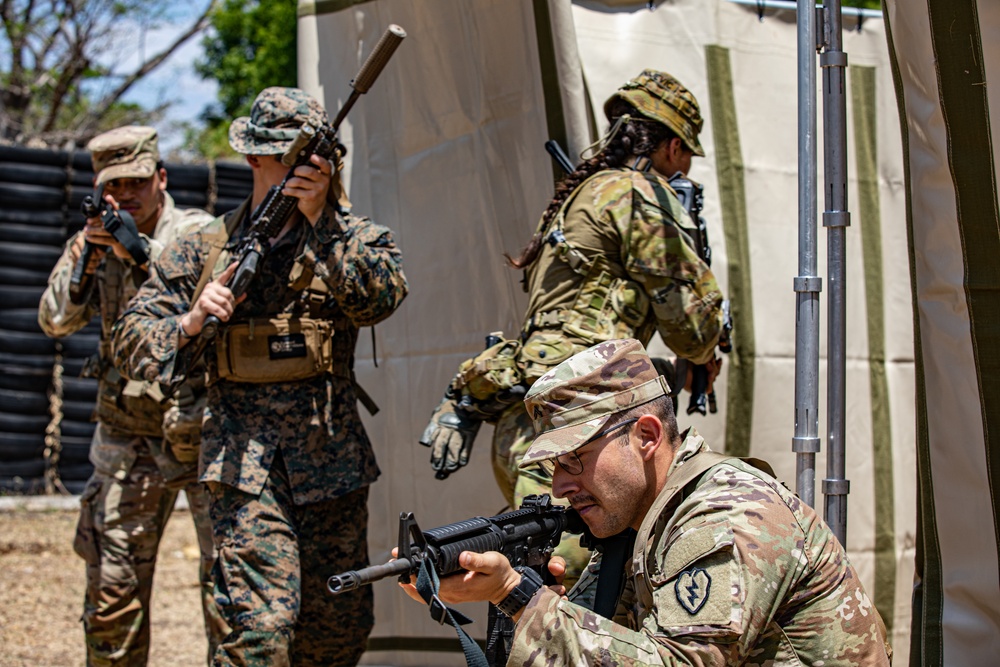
[45, 406]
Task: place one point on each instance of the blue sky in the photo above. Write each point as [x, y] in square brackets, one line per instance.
[174, 81]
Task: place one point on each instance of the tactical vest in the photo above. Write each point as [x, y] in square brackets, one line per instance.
[296, 344]
[607, 304]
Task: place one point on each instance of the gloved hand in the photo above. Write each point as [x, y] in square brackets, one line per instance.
[450, 435]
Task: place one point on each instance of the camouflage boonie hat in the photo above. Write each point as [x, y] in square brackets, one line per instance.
[573, 401]
[125, 152]
[663, 98]
[274, 121]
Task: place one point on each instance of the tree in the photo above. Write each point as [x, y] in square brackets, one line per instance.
[61, 65]
[251, 45]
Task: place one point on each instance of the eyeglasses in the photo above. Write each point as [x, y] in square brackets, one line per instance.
[571, 462]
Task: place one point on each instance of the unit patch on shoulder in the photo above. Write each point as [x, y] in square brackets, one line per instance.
[692, 588]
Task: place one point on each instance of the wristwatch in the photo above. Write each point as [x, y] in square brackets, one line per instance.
[515, 601]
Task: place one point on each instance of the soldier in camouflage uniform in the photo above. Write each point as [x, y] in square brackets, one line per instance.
[612, 257]
[131, 494]
[728, 567]
[284, 451]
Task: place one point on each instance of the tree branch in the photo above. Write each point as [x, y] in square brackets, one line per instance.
[112, 97]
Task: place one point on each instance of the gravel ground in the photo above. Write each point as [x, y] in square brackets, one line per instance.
[41, 593]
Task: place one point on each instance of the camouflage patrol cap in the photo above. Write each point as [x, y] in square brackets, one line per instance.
[274, 121]
[125, 152]
[663, 98]
[574, 400]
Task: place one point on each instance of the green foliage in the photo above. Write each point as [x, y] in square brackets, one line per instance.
[251, 46]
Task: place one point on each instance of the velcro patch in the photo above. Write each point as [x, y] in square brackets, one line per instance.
[286, 346]
[692, 589]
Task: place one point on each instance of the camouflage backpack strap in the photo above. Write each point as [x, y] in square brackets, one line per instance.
[217, 241]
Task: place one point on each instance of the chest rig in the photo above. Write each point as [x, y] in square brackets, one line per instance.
[605, 304]
[294, 344]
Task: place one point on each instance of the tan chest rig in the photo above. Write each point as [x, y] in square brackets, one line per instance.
[296, 344]
[607, 305]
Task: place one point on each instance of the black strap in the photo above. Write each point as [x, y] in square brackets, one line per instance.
[615, 553]
[428, 585]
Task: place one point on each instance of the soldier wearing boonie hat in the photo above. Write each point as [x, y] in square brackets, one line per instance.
[727, 568]
[137, 475]
[284, 452]
[611, 258]
[274, 121]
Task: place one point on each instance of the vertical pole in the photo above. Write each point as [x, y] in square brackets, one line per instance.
[836, 219]
[807, 285]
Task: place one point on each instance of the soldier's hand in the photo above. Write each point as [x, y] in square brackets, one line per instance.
[310, 185]
[95, 233]
[488, 577]
[216, 299]
[450, 435]
[76, 250]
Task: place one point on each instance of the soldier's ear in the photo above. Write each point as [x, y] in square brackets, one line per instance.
[651, 435]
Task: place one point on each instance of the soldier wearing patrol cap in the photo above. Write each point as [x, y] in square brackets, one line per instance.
[612, 257]
[137, 474]
[728, 566]
[284, 452]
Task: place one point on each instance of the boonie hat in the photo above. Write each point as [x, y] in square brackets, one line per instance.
[661, 97]
[572, 402]
[125, 152]
[274, 121]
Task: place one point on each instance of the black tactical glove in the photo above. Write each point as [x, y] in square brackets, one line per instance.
[450, 435]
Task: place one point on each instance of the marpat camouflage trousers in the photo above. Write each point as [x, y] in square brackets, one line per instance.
[274, 561]
[122, 517]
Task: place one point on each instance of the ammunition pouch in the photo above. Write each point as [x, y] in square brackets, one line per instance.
[489, 382]
[182, 424]
[280, 349]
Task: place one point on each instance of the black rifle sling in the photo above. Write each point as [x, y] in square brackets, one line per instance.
[615, 553]
[428, 585]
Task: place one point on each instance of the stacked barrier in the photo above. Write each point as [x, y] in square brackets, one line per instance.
[45, 406]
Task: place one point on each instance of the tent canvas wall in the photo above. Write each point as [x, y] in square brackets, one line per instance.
[447, 150]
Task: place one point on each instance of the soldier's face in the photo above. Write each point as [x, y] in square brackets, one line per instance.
[610, 492]
[142, 197]
[672, 157]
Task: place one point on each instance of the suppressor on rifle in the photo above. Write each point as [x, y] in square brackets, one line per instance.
[372, 67]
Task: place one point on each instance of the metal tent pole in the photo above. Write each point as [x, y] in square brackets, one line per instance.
[807, 285]
[836, 219]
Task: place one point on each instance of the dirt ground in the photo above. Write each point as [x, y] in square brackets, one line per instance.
[41, 593]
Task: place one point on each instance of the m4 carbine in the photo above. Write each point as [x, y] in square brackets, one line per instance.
[120, 225]
[692, 198]
[526, 537]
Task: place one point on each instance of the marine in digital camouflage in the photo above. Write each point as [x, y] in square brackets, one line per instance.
[287, 461]
[729, 567]
[129, 498]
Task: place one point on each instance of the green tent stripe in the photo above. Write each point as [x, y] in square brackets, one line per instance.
[554, 120]
[320, 7]
[433, 644]
[962, 86]
[729, 168]
[866, 152]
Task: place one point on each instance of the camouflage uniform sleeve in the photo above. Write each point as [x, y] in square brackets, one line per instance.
[146, 336]
[57, 315]
[363, 266]
[659, 255]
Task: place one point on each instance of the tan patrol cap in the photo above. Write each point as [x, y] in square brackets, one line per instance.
[572, 402]
[125, 152]
[663, 98]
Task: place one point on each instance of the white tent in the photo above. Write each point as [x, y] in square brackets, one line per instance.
[447, 149]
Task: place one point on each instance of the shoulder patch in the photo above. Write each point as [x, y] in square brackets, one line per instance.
[692, 589]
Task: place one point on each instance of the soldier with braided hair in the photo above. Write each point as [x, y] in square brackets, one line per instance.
[612, 257]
